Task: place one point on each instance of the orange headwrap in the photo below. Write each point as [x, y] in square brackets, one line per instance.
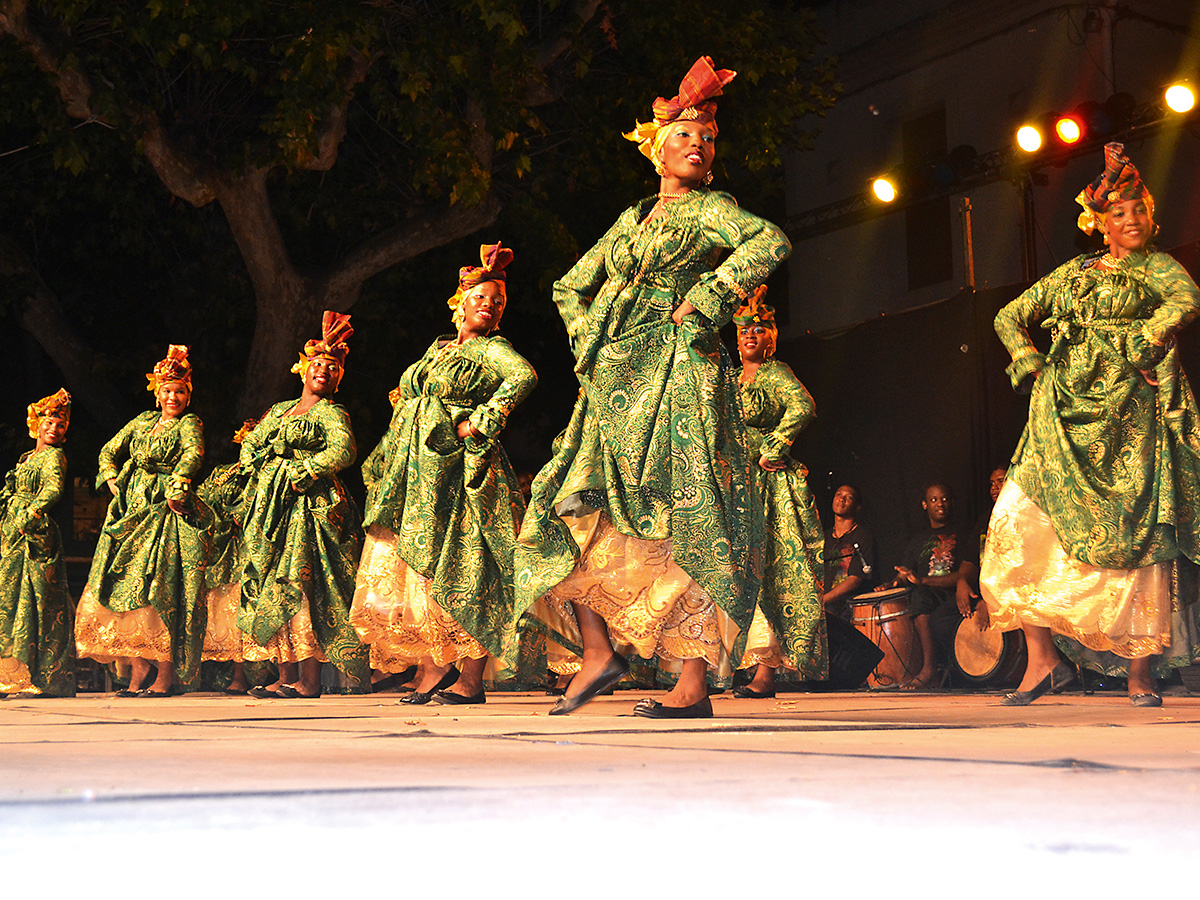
[57, 404]
[335, 331]
[494, 259]
[694, 102]
[175, 367]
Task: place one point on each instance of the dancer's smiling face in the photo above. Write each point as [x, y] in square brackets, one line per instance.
[688, 151]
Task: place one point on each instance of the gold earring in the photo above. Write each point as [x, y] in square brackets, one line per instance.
[707, 179]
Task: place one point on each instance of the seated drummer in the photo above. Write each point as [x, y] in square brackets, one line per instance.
[934, 561]
[967, 589]
[849, 554]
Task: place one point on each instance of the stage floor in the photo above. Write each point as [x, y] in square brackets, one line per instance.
[847, 792]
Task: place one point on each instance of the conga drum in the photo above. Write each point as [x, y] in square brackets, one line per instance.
[991, 657]
[884, 618]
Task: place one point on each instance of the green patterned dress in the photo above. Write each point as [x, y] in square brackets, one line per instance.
[445, 508]
[1110, 455]
[300, 540]
[37, 644]
[777, 407]
[224, 493]
[149, 557]
[655, 441]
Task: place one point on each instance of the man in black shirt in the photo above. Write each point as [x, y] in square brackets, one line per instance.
[849, 555]
[934, 560]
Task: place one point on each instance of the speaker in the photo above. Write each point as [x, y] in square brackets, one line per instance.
[852, 655]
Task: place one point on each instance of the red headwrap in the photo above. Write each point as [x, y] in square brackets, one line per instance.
[695, 101]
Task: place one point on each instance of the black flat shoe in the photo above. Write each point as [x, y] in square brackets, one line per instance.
[394, 680]
[262, 692]
[614, 670]
[127, 692]
[748, 693]
[173, 691]
[652, 709]
[1062, 676]
[289, 692]
[556, 692]
[1146, 700]
[1024, 698]
[417, 698]
[451, 699]
[234, 692]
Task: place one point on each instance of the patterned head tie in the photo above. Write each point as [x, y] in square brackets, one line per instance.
[57, 404]
[1120, 181]
[335, 331]
[175, 367]
[695, 101]
[494, 259]
[755, 312]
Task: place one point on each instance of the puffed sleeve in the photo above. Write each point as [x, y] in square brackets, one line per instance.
[1012, 327]
[757, 248]
[1178, 304]
[52, 472]
[191, 457]
[574, 292]
[114, 450]
[798, 410]
[338, 454]
[519, 380]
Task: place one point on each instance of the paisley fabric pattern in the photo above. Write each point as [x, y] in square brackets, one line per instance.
[300, 540]
[1111, 451]
[656, 437]
[789, 623]
[1110, 455]
[224, 492]
[443, 512]
[145, 594]
[37, 644]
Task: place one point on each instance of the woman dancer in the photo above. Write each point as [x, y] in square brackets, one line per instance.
[443, 506]
[1104, 490]
[300, 537]
[788, 629]
[644, 522]
[144, 598]
[37, 642]
[224, 492]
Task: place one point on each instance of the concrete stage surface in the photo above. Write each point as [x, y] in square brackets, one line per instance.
[832, 795]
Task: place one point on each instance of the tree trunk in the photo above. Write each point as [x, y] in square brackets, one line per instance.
[43, 317]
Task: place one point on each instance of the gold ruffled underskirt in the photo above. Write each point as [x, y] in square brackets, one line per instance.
[648, 601]
[14, 677]
[1027, 579]
[106, 636]
[762, 647]
[223, 639]
[292, 643]
[394, 612]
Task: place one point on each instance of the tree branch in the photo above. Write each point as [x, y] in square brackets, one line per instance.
[334, 129]
[43, 317]
[552, 49]
[184, 177]
[402, 241]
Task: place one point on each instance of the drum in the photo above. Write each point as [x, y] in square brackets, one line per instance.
[883, 617]
[988, 657]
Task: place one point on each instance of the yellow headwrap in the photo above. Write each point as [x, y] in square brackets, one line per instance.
[695, 101]
[335, 331]
[174, 368]
[57, 404]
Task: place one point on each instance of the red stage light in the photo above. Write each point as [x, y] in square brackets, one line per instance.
[1068, 128]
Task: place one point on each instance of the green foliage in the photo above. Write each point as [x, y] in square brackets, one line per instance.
[452, 107]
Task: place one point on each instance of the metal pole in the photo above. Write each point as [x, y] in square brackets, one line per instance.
[968, 242]
[1028, 230]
